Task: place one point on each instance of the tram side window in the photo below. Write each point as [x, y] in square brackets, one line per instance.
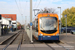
[36, 26]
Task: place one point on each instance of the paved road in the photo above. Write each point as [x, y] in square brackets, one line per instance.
[70, 39]
[26, 39]
[69, 43]
[39, 47]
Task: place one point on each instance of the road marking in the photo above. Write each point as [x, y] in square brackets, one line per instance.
[70, 42]
[62, 42]
[62, 45]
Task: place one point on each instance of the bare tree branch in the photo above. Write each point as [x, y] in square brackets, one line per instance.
[48, 10]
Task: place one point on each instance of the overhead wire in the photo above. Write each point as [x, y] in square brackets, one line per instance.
[19, 8]
[26, 1]
[20, 5]
[25, 11]
[34, 7]
[35, 3]
[38, 4]
[37, 7]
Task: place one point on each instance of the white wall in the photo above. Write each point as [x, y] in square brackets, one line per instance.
[15, 25]
[5, 21]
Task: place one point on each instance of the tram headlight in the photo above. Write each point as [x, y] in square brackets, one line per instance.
[57, 34]
[41, 34]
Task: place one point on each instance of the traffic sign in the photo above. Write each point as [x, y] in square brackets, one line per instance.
[66, 15]
[31, 24]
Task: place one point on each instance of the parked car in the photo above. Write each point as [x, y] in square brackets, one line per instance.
[63, 29]
[72, 31]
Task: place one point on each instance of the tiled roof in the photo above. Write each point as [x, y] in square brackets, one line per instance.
[12, 16]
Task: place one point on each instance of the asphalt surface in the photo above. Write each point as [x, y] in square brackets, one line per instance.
[68, 43]
[26, 39]
[40, 47]
[69, 39]
[17, 40]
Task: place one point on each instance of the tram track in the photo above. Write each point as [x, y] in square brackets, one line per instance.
[59, 44]
[7, 40]
[54, 42]
[50, 46]
[10, 42]
[63, 47]
[15, 38]
[21, 40]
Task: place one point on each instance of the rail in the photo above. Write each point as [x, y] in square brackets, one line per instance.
[10, 42]
[19, 46]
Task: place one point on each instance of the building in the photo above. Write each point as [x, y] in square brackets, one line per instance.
[5, 22]
[18, 23]
[9, 21]
[12, 18]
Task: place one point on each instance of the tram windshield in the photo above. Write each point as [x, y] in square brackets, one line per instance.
[48, 23]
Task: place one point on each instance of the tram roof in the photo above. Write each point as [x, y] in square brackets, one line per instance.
[47, 15]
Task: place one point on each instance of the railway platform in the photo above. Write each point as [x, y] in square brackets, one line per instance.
[4, 37]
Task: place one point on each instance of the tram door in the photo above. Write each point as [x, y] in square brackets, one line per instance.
[36, 28]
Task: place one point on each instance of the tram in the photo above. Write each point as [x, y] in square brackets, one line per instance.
[46, 27]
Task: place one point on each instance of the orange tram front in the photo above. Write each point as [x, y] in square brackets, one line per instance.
[46, 27]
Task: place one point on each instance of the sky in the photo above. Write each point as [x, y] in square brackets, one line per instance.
[22, 7]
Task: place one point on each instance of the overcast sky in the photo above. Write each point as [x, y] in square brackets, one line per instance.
[10, 7]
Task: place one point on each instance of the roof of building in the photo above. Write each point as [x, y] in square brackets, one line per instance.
[12, 16]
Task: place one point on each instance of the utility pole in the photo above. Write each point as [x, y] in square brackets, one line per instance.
[66, 24]
[25, 22]
[31, 20]
[60, 19]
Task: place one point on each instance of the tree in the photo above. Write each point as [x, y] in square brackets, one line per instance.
[70, 17]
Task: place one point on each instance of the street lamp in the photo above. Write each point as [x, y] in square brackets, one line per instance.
[60, 18]
[66, 24]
